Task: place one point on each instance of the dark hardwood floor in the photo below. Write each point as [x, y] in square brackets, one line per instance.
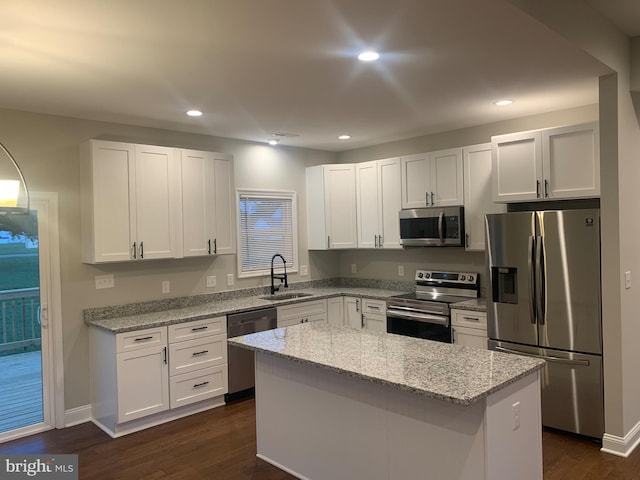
[220, 444]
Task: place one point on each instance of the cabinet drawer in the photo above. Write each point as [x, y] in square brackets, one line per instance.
[200, 385]
[318, 317]
[192, 355]
[464, 318]
[137, 339]
[378, 307]
[300, 310]
[197, 329]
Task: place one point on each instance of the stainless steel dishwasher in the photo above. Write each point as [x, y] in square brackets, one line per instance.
[240, 361]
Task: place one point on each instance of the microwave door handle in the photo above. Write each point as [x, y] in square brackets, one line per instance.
[532, 279]
[440, 227]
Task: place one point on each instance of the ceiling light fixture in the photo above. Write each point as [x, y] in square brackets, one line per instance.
[503, 103]
[344, 137]
[273, 142]
[369, 56]
[194, 113]
[14, 195]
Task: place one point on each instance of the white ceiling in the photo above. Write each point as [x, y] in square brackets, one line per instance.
[259, 67]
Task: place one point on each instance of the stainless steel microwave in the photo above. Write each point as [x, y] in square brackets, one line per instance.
[432, 227]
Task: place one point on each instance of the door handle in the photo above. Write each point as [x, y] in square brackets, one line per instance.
[141, 250]
[215, 246]
[375, 241]
[135, 251]
[432, 199]
[209, 246]
[546, 188]
[548, 358]
[532, 279]
[537, 188]
[540, 283]
[426, 198]
[440, 229]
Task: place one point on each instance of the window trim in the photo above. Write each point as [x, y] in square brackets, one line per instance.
[278, 194]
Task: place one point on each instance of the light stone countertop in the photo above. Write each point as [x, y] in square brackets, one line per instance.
[126, 323]
[474, 305]
[452, 373]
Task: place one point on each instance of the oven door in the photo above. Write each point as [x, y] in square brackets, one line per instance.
[418, 324]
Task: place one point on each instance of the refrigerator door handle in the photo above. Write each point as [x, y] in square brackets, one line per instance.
[540, 283]
[548, 358]
[532, 298]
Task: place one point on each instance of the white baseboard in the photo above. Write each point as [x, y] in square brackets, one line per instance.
[621, 446]
[76, 416]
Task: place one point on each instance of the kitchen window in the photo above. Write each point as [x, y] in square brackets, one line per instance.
[267, 225]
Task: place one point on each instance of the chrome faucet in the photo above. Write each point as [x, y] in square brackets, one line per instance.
[282, 278]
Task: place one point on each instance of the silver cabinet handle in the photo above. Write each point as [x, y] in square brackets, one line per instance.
[165, 354]
[197, 329]
[142, 339]
[200, 384]
[432, 203]
[466, 240]
[209, 246]
[215, 246]
[141, 250]
[380, 241]
[375, 241]
[471, 319]
[357, 305]
[537, 188]
[196, 354]
[374, 307]
[426, 198]
[546, 188]
[135, 251]
[328, 241]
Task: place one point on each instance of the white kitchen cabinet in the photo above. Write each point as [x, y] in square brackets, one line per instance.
[335, 310]
[548, 164]
[478, 198]
[469, 328]
[311, 311]
[378, 201]
[208, 203]
[130, 202]
[331, 207]
[374, 314]
[432, 179]
[353, 312]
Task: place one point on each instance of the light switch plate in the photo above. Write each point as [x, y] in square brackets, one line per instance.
[104, 281]
[166, 286]
[211, 281]
[304, 270]
[354, 269]
[401, 270]
[627, 280]
[229, 279]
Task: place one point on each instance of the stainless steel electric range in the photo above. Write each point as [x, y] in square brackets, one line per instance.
[426, 313]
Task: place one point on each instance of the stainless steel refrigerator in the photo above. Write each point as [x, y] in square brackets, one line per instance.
[543, 299]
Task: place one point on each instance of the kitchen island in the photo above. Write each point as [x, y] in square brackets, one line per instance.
[340, 403]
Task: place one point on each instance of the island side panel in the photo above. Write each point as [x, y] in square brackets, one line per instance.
[317, 424]
[514, 431]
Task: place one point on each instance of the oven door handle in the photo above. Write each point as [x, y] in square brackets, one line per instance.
[419, 317]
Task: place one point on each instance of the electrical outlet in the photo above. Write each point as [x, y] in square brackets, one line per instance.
[304, 270]
[104, 281]
[211, 281]
[401, 270]
[229, 279]
[166, 286]
[627, 280]
[516, 416]
[354, 269]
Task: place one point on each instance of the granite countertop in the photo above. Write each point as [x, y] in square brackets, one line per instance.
[474, 305]
[452, 373]
[124, 323]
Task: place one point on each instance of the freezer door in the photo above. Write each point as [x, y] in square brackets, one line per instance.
[510, 245]
[569, 304]
[572, 388]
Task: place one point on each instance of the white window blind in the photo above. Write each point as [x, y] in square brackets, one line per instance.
[267, 225]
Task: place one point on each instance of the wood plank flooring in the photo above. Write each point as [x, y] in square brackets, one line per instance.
[20, 390]
[220, 444]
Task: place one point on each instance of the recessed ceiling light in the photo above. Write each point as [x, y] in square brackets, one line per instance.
[274, 141]
[344, 137]
[369, 56]
[194, 113]
[503, 103]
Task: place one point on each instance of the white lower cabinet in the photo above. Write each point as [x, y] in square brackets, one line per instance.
[469, 328]
[312, 311]
[156, 370]
[365, 313]
[335, 310]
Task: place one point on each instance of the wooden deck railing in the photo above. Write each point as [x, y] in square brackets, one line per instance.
[19, 322]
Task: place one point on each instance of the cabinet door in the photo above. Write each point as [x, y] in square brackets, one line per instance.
[478, 199]
[571, 161]
[352, 312]
[198, 202]
[108, 204]
[340, 206]
[446, 177]
[225, 205]
[367, 201]
[416, 180]
[143, 383]
[157, 178]
[469, 337]
[375, 323]
[335, 311]
[389, 202]
[517, 166]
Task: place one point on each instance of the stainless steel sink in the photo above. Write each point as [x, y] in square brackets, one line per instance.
[285, 296]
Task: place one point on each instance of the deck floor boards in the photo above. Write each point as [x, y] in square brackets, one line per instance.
[20, 390]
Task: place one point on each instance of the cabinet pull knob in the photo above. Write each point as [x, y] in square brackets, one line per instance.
[537, 188]
[135, 251]
[165, 355]
[197, 329]
[200, 384]
[209, 246]
[546, 188]
[141, 249]
[471, 319]
[142, 339]
[203, 352]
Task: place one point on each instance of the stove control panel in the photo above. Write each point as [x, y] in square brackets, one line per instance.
[449, 277]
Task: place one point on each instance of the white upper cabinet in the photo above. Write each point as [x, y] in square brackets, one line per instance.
[378, 201]
[331, 207]
[478, 199]
[432, 179]
[547, 164]
[208, 203]
[130, 202]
